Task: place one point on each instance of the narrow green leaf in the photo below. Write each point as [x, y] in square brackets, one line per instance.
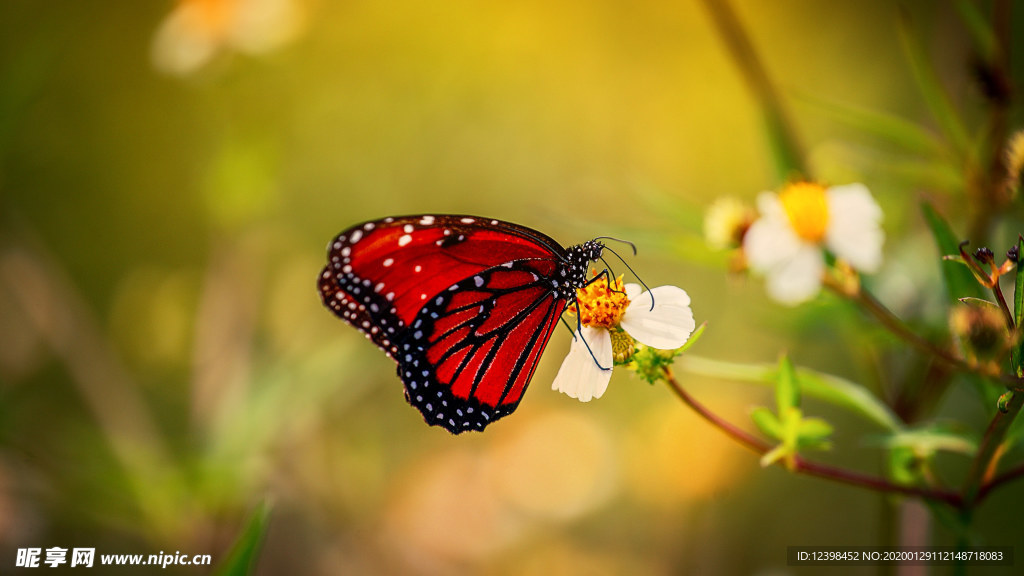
[814, 429]
[787, 389]
[693, 338]
[888, 128]
[785, 150]
[940, 177]
[826, 387]
[791, 418]
[980, 303]
[979, 28]
[935, 96]
[241, 559]
[927, 441]
[766, 422]
[775, 454]
[959, 280]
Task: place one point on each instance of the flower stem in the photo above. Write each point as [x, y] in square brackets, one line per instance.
[804, 466]
[983, 466]
[789, 155]
[893, 324]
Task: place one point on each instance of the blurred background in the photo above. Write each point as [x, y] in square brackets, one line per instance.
[171, 173]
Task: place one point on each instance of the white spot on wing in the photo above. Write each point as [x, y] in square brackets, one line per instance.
[356, 236]
[467, 220]
[418, 268]
[388, 262]
[405, 239]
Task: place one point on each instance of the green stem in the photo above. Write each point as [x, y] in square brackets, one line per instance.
[789, 154]
[976, 486]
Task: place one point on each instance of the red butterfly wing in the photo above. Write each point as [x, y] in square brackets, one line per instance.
[465, 305]
[472, 350]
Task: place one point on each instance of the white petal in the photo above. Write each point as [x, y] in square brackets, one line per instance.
[183, 43]
[668, 325]
[633, 290]
[262, 25]
[579, 376]
[770, 242]
[854, 232]
[769, 206]
[798, 278]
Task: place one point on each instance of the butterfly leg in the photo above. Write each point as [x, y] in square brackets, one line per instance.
[579, 330]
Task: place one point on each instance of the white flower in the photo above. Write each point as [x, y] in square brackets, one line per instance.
[196, 30]
[666, 326]
[726, 222]
[785, 244]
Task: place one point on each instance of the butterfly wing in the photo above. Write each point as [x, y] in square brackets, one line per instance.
[463, 304]
[471, 351]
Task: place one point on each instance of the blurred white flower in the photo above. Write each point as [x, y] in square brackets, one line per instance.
[786, 243]
[608, 314]
[726, 222]
[196, 30]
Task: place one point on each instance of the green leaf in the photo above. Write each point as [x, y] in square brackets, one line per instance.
[241, 559]
[767, 422]
[775, 454]
[959, 280]
[979, 28]
[925, 442]
[935, 96]
[826, 387]
[814, 429]
[785, 150]
[979, 303]
[693, 338]
[787, 389]
[890, 128]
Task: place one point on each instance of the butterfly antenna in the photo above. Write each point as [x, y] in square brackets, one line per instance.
[633, 272]
[631, 245]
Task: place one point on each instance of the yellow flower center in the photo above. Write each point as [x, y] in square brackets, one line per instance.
[214, 15]
[601, 304]
[807, 208]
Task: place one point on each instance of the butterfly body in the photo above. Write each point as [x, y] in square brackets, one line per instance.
[464, 305]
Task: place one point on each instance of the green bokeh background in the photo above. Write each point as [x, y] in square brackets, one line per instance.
[165, 363]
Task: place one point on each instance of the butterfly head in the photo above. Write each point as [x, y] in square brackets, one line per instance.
[578, 262]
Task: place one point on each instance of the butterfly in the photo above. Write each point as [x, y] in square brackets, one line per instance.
[464, 305]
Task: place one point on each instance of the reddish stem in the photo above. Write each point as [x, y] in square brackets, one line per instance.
[804, 466]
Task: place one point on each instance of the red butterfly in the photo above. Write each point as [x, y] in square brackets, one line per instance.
[464, 305]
